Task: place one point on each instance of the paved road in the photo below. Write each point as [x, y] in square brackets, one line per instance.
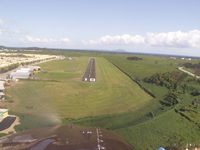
[189, 73]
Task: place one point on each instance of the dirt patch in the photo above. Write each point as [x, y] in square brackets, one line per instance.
[70, 137]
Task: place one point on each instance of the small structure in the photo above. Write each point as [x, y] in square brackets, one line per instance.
[70, 58]
[30, 70]
[23, 73]
[2, 88]
[20, 75]
[2, 96]
[173, 58]
[3, 114]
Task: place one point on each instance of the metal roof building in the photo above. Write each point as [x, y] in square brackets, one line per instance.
[2, 96]
[20, 75]
[2, 86]
[25, 70]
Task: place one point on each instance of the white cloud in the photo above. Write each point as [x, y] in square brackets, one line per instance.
[65, 40]
[22, 32]
[166, 39]
[118, 39]
[174, 39]
[46, 40]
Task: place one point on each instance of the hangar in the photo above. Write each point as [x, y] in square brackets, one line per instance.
[20, 75]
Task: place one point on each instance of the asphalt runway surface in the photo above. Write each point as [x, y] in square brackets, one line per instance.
[90, 71]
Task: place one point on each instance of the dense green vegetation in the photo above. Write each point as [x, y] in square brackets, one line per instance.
[170, 80]
[134, 58]
[193, 67]
[8, 68]
[175, 99]
[190, 65]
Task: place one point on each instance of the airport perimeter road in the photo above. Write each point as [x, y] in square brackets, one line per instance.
[189, 73]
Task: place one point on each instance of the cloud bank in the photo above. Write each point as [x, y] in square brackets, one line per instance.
[118, 39]
[176, 39]
[45, 40]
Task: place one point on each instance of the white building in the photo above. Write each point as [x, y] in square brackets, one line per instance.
[3, 114]
[25, 70]
[2, 88]
[2, 96]
[20, 75]
[24, 73]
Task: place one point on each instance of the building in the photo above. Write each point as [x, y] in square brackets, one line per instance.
[3, 114]
[30, 70]
[23, 73]
[20, 75]
[70, 58]
[2, 88]
[2, 96]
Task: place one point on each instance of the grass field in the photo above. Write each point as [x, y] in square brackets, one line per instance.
[60, 93]
[114, 102]
[153, 125]
[146, 67]
[164, 129]
[62, 70]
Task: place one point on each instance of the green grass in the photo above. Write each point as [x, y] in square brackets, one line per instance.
[122, 120]
[166, 128]
[146, 67]
[56, 98]
[63, 70]
[114, 102]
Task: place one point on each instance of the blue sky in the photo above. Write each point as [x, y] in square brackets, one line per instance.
[154, 26]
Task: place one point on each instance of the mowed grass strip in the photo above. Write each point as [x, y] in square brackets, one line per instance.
[63, 70]
[113, 93]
